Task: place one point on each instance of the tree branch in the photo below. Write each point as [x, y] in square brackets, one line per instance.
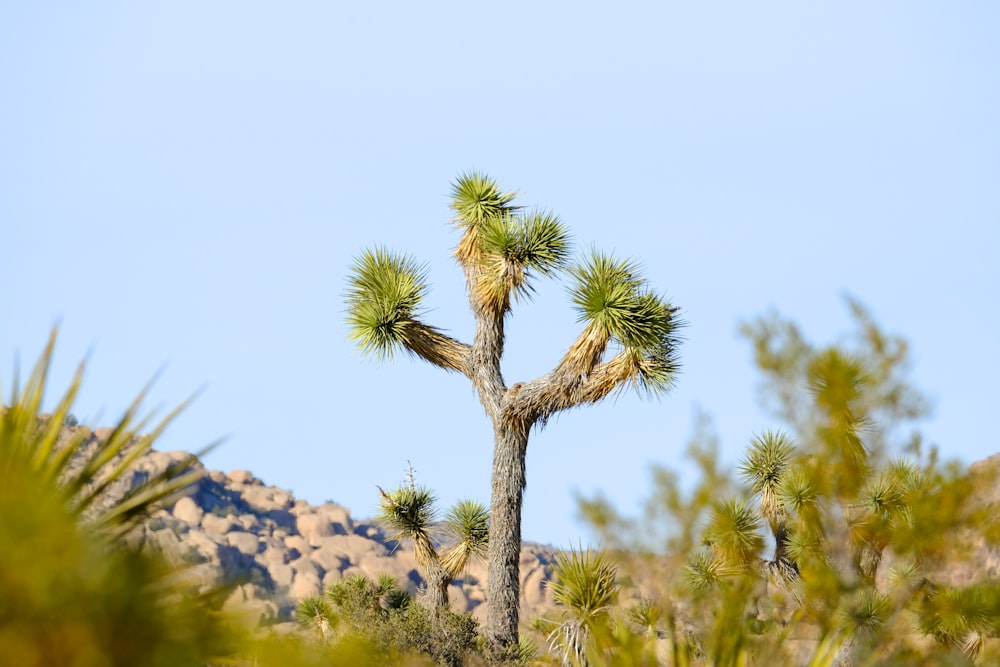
[562, 389]
[435, 347]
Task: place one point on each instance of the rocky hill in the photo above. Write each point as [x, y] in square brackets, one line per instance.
[234, 527]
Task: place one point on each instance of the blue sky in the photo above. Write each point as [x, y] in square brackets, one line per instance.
[184, 185]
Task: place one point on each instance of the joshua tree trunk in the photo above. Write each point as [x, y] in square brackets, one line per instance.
[503, 578]
[436, 595]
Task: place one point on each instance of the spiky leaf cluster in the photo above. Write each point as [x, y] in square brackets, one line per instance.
[584, 581]
[766, 460]
[501, 247]
[74, 588]
[733, 533]
[467, 523]
[763, 468]
[82, 475]
[584, 585]
[477, 199]
[512, 246]
[410, 512]
[617, 305]
[383, 298]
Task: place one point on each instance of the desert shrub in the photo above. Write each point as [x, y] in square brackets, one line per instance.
[382, 615]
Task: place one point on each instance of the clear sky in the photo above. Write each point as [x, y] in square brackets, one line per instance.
[183, 185]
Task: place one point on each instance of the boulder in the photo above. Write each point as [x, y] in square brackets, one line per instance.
[267, 498]
[305, 584]
[281, 574]
[218, 525]
[242, 477]
[246, 543]
[188, 511]
[328, 560]
[313, 527]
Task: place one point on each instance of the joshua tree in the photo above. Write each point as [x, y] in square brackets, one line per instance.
[629, 339]
[409, 510]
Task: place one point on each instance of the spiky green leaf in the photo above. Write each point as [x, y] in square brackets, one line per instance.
[408, 510]
[734, 533]
[383, 298]
[584, 581]
[766, 460]
[468, 524]
[477, 198]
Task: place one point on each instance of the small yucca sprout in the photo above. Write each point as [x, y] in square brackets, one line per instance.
[584, 582]
[315, 612]
[703, 572]
[646, 615]
[527, 650]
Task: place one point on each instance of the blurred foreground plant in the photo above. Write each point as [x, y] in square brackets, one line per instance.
[74, 590]
[831, 552]
[71, 593]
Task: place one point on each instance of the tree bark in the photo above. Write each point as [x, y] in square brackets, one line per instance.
[503, 576]
[436, 595]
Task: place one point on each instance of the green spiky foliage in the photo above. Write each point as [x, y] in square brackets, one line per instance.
[584, 585]
[647, 616]
[73, 591]
[733, 534]
[314, 612]
[76, 464]
[361, 601]
[629, 340]
[375, 619]
[467, 525]
[830, 538]
[409, 511]
[478, 199]
[764, 468]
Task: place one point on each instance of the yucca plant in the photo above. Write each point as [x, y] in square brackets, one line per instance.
[314, 612]
[72, 592]
[409, 511]
[584, 585]
[79, 467]
[629, 338]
